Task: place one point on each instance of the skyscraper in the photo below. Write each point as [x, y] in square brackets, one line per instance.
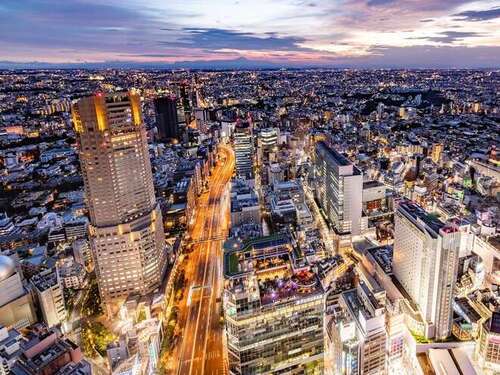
[243, 149]
[167, 120]
[425, 263]
[126, 231]
[339, 189]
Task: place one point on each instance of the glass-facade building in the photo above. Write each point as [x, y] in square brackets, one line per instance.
[273, 308]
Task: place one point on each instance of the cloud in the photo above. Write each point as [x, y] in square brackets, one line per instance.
[217, 39]
[425, 57]
[443, 57]
[450, 37]
[285, 30]
[389, 15]
[411, 5]
[479, 15]
[78, 24]
[379, 2]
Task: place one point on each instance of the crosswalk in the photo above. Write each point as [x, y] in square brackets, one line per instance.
[213, 354]
[207, 239]
[218, 369]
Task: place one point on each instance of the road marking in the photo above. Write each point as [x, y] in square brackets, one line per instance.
[199, 315]
[184, 342]
[218, 188]
[209, 239]
[215, 274]
[210, 228]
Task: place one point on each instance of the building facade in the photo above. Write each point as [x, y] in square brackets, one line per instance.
[48, 289]
[339, 189]
[487, 351]
[355, 335]
[425, 263]
[16, 304]
[273, 310]
[243, 149]
[167, 121]
[126, 231]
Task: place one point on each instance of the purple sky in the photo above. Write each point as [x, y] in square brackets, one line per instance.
[441, 33]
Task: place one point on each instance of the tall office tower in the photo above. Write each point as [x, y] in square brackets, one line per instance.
[355, 335]
[339, 189]
[243, 149]
[167, 121]
[273, 306]
[126, 231]
[425, 263]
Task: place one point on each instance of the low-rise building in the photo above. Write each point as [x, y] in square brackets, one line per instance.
[16, 304]
[48, 289]
[488, 345]
[44, 352]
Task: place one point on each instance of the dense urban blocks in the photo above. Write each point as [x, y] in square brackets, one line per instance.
[305, 221]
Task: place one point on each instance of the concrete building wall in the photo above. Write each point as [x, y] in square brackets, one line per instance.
[126, 231]
[425, 263]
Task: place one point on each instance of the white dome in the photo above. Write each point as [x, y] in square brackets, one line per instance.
[7, 267]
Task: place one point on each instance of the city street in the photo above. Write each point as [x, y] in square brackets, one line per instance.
[199, 350]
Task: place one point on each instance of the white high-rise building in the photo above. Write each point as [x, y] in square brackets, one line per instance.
[268, 138]
[267, 142]
[355, 335]
[339, 189]
[425, 262]
[126, 231]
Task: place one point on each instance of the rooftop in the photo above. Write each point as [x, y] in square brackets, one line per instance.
[337, 157]
[416, 212]
[383, 256]
[45, 280]
[268, 266]
[372, 184]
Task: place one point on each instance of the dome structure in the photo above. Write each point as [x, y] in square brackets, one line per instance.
[7, 267]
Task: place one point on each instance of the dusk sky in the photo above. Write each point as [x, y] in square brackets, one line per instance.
[455, 33]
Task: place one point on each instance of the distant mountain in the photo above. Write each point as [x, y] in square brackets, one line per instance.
[415, 57]
[237, 64]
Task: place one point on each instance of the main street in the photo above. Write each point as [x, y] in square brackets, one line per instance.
[200, 349]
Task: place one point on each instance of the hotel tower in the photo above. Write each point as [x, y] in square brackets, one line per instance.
[126, 231]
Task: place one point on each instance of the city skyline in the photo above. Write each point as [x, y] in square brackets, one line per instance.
[242, 34]
[321, 222]
[265, 187]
